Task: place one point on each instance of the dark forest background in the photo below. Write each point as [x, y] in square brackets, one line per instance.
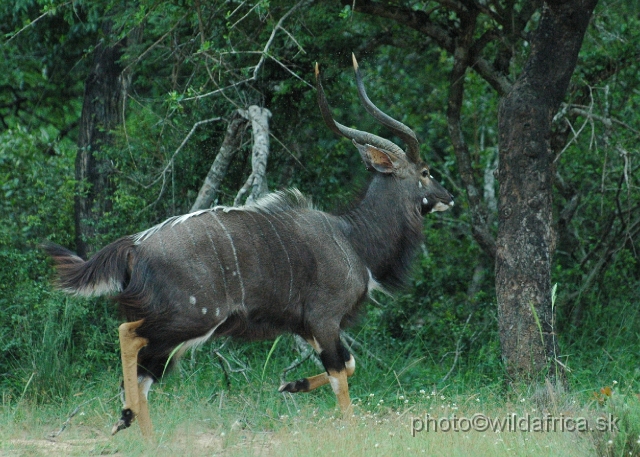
[142, 93]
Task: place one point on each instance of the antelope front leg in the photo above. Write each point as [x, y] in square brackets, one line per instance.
[130, 345]
[337, 379]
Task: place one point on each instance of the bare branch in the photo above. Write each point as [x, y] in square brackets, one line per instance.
[479, 225]
[48, 12]
[68, 421]
[157, 42]
[417, 20]
[458, 351]
[166, 169]
[273, 35]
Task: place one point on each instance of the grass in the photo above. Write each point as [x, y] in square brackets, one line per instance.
[194, 416]
[198, 411]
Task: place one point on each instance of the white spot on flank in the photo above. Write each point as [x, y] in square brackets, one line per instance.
[425, 201]
[192, 300]
[217, 312]
[204, 311]
[420, 184]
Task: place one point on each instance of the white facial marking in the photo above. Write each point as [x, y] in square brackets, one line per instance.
[419, 184]
[204, 311]
[430, 176]
[192, 300]
[425, 201]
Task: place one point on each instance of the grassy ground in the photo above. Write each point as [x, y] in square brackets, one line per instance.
[68, 408]
[193, 416]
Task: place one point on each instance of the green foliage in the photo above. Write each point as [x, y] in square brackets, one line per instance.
[442, 330]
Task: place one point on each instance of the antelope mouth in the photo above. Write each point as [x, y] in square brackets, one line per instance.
[428, 207]
[442, 206]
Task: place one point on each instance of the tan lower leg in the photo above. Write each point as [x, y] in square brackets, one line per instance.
[338, 380]
[130, 345]
[144, 419]
[323, 378]
[317, 381]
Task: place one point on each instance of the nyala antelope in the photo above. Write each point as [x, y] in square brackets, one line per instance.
[254, 272]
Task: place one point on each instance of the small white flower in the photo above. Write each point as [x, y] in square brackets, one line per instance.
[422, 391]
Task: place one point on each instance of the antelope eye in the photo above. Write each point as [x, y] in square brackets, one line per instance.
[425, 173]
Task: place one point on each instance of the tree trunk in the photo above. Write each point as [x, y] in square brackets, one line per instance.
[257, 181]
[526, 238]
[230, 144]
[102, 111]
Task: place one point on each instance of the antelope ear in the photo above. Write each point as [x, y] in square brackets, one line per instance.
[383, 161]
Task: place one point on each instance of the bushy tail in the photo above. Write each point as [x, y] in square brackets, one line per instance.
[107, 272]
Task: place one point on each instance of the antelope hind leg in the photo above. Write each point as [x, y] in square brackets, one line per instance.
[313, 382]
[144, 419]
[130, 345]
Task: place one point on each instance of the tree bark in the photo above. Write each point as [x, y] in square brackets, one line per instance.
[102, 111]
[257, 181]
[526, 239]
[230, 144]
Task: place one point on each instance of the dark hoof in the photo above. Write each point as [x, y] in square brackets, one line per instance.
[124, 422]
[301, 385]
